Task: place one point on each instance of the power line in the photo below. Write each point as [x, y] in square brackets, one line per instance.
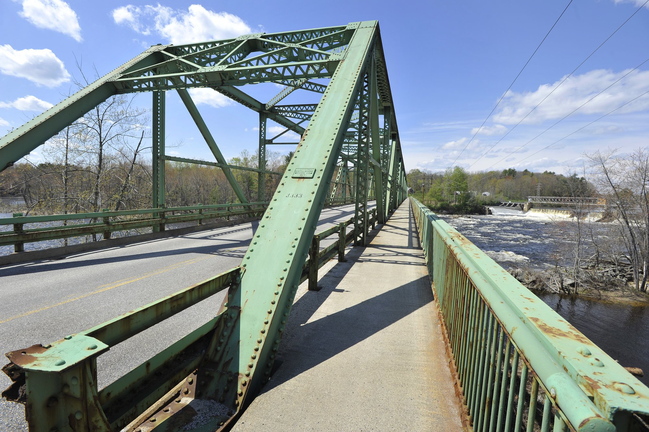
[585, 126]
[512, 83]
[572, 112]
[559, 85]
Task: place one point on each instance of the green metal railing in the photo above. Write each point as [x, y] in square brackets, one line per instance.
[24, 229]
[60, 378]
[519, 364]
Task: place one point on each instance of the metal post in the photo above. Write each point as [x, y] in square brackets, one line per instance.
[313, 263]
[261, 176]
[377, 160]
[18, 229]
[342, 241]
[106, 220]
[362, 164]
[158, 150]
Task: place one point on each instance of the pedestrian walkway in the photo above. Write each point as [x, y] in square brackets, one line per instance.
[365, 353]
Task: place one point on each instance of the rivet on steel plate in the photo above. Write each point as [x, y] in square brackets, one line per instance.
[584, 351]
[624, 388]
[597, 362]
[60, 363]
[553, 392]
[78, 415]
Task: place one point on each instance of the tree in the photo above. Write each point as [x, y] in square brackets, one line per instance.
[625, 180]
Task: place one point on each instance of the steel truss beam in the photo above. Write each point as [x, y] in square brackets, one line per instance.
[239, 348]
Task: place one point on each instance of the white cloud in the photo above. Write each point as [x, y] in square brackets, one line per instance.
[41, 66]
[635, 2]
[3, 122]
[208, 96]
[54, 15]
[490, 130]
[289, 136]
[461, 144]
[574, 92]
[197, 24]
[27, 103]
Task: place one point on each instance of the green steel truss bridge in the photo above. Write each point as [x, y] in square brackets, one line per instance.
[518, 365]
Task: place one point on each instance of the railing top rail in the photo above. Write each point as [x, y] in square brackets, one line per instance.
[93, 215]
[562, 199]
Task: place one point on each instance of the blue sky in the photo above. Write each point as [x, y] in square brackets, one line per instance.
[449, 62]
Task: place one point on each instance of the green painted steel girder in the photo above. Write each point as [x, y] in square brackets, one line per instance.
[21, 141]
[344, 127]
[273, 264]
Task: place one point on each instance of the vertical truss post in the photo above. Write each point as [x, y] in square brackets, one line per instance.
[392, 175]
[158, 156]
[261, 176]
[377, 157]
[362, 164]
[386, 150]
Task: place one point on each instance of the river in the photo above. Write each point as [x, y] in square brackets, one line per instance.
[513, 238]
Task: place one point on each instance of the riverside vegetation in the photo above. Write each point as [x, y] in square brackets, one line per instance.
[607, 258]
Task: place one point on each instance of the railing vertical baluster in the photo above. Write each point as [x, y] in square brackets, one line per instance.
[512, 390]
[463, 336]
[498, 365]
[469, 338]
[559, 424]
[484, 372]
[521, 398]
[531, 412]
[477, 358]
[503, 384]
[545, 423]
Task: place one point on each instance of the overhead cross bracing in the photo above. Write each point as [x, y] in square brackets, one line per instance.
[350, 127]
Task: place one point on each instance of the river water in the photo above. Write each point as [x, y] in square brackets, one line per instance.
[513, 238]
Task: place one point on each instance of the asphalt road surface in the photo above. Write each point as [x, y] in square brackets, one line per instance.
[42, 302]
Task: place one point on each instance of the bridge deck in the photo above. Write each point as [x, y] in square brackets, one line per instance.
[366, 351]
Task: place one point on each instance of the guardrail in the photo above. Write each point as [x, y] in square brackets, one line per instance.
[20, 229]
[519, 364]
[58, 385]
[105, 223]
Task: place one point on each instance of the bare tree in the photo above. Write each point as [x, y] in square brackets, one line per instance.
[625, 180]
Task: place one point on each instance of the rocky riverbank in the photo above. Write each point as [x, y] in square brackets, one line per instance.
[605, 283]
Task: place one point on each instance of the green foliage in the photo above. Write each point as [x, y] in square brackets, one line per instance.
[494, 186]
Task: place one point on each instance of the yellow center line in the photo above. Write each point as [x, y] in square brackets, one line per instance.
[107, 287]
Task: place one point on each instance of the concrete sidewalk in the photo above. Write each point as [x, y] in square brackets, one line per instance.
[365, 353]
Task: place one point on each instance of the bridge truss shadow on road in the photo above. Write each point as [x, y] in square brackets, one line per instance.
[349, 148]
